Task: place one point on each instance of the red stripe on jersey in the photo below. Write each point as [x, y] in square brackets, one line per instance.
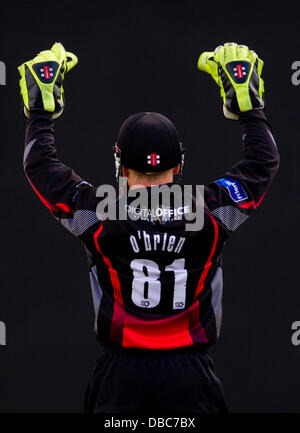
[252, 203]
[116, 328]
[64, 207]
[43, 200]
[209, 262]
[52, 207]
[261, 199]
[167, 333]
[248, 205]
[179, 330]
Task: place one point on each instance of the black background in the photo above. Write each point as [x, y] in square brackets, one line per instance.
[142, 56]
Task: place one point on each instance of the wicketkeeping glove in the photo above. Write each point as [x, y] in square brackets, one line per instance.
[237, 71]
[42, 78]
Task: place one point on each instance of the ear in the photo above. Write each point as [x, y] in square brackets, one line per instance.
[125, 171]
[176, 169]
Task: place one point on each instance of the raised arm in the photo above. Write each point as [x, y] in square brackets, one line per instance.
[55, 183]
[241, 190]
[68, 197]
[237, 71]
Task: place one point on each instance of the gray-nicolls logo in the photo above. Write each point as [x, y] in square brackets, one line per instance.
[2, 74]
[295, 78]
[2, 334]
[295, 338]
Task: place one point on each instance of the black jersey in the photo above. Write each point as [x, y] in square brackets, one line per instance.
[155, 285]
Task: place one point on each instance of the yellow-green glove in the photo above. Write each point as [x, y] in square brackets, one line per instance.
[42, 78]
[237, 71]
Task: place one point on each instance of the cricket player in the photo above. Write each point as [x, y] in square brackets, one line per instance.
[156, 283]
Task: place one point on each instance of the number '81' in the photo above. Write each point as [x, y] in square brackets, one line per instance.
[147, 271]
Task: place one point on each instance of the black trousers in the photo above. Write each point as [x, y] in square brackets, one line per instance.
[142, 381]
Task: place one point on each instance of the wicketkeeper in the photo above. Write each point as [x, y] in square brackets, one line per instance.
[156, 286]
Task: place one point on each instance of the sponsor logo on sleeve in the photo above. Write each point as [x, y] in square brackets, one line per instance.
[236, 191]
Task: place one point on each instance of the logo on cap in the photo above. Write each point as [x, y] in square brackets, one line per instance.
[153, 159]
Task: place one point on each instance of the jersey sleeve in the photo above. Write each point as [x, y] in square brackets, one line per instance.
[233, 197]
[69, 198]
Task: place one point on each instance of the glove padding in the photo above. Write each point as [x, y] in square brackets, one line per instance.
[42, 78]
[237, 71]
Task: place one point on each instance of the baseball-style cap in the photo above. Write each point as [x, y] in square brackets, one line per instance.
[149, 142]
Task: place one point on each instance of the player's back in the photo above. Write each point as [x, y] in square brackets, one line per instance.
[159, 280]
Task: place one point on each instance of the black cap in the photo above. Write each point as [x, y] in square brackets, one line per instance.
[149, 142]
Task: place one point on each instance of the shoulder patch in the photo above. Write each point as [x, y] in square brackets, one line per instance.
[236, 191]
